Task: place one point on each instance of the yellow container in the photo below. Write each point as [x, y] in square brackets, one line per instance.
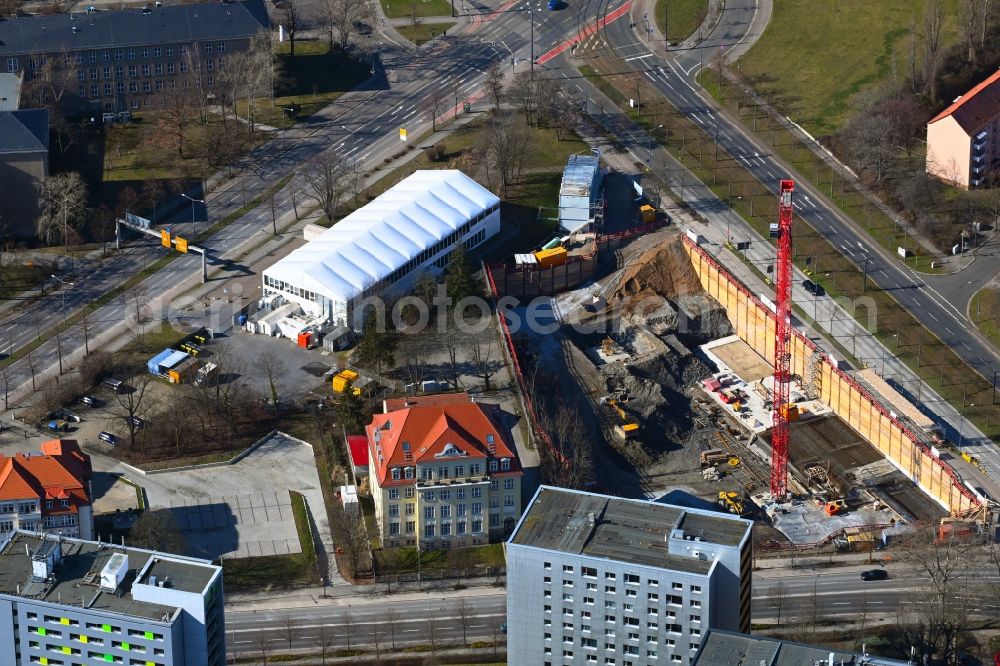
[648, 213]
[549, 258]
[341, 379]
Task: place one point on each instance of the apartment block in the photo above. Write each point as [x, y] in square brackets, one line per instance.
[69, 602]
[47, 491]
[127, 59]
[442, 473]
[593, 579]
[726, 648]
[962, 140]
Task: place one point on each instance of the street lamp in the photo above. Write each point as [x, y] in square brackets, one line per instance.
[979, 302]
[652, 142]
[354, 139]
[59, 333]
[729, 220]
[193, 202]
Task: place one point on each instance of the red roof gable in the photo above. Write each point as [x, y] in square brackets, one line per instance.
[976, 107]
[423, 433]
[437, 400]
[358, 444]
[60, 471]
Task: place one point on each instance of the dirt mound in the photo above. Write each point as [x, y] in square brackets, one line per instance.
[663, 270]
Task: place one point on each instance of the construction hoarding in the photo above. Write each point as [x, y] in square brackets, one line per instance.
[754, 323]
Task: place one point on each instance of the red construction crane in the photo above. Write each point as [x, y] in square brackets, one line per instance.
[782, 338]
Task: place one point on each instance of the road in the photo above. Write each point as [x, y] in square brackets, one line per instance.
[422, 615]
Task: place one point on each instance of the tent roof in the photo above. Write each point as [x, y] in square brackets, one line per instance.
[375, 240]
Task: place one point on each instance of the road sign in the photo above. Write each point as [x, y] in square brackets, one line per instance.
[165, 238]
[402, 134]
[181, 244]
[137, 221]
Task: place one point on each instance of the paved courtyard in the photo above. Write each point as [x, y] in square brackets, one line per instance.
[244, 509]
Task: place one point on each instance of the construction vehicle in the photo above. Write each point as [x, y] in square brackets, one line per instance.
[732, 502]
[628, 428]
[713, 457]
[834, 507]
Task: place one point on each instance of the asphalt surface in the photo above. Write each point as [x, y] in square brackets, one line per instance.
[834, 594]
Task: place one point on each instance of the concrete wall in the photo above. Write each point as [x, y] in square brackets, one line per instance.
[754, 323]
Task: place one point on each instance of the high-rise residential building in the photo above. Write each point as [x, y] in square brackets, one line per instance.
[47, 491]
[963, 141]
[442, 473]
[68, 602]
[593, 579]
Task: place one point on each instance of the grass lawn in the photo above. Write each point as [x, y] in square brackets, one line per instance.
[423, 32]
[314, 78]
[815, 57]
[277, 570]
[984, 310]
[394, 561]
[418, 8]
[683, 17]
[18, 275]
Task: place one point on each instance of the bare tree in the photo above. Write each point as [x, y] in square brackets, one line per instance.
[46, 88]
[132, 406]
[933, 22]
[433, 104]
[495, 85]
[290, 16]
[377, 638]
[452, 341]
[272, 368]
[289, 629]
[339, 18]
[9, 7]
[485, 355]
[505, 147]
[348, 621]
[391, 620]
[157, 529]
[465, 614]
[262, 646]
[777, 596]
[325, 641]
[138, 295]
[63, 202]
[329, 179]
[568, 464]
[351, 535]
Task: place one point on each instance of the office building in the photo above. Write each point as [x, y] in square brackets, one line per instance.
[47, 491]
[126, 59]
[382, 247]
[442, 474]
[24, 165]
[727, 648]
[68, 602]
[593, 579]
[962, 141]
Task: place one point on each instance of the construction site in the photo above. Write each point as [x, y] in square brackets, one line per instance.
[700, 386]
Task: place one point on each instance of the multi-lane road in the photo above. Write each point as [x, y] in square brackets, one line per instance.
[417, 617]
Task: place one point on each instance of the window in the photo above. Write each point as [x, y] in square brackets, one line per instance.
[408, 492]
[408, 472]
[393, 529]
[170, 68]
[156, 52]
[445, 494]
[446, 511]
[508, 500]
[429, 513]
[119, 71]
[106, 72]
[475, 469]
[429, 529]
[222, 47]
[411, 526]
[145, 69]
[609, 575]
[132, 71]
[131, 54]
[93, 77]
[493, 465]
[394, 493]
[395, 474]
[170, 51]
[494, 502]
[609, 604]
[567, 568]
[12, 64]
[209, 65]
[184, 66]
[430, 496]
[445, 529]
[119, 54]
[459, 471]
[652, 596]
[410, 508]
[477, 508]
[493, 484]
[477, 492]
[508, 484]
[609, 589]
[696, 589]
[81, 75]
[505, 464]
[460, 493]
[677, 586]
[120, 87]
[477, 526]
[694, 618]
[460, 527]
[393, 510]
[695, 603]
[631, 579]
[95, 90]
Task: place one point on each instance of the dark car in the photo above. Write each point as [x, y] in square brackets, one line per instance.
[555, 4]
[108, 437]
[135, 421]
[812, 288]
[875, 574]
[89, 401]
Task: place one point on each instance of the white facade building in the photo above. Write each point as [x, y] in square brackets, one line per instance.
[579, 192]
[383, 246]
[593, 579]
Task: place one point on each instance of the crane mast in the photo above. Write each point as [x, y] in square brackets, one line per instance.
[782, 339]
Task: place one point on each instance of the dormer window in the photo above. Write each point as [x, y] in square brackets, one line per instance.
[395, 474]
[408, 472]
[505, 464]
[64, 502]
[450, 450]
[493, 465]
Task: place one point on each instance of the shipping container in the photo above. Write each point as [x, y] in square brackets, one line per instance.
[342, 378]
[549, 258]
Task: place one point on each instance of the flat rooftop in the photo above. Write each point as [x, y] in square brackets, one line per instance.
[627, 530]
[75, 580]
[579, 175]
[727, 648]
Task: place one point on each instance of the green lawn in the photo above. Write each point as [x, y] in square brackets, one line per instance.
[815, 57]
[423, 32]
[418, 8]
[683, 17]
[984, 310]
[277, 570]
[314, 78]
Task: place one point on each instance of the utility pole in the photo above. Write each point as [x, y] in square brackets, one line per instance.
[666, 25]
[531, 15]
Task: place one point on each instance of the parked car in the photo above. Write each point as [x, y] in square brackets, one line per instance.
[108, 437]
[115, 385]
[555, 4]
[812, 288]
[89, 401]
[135, 421]
[70, 416]
[58, 425]
[875, 574]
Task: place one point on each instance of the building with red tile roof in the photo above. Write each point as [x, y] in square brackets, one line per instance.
[47, 491]
[442, 473]
[962, 140]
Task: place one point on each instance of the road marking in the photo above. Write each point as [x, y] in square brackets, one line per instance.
[931, 315]
[586, 32]
[642, 57]
[697, 119]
